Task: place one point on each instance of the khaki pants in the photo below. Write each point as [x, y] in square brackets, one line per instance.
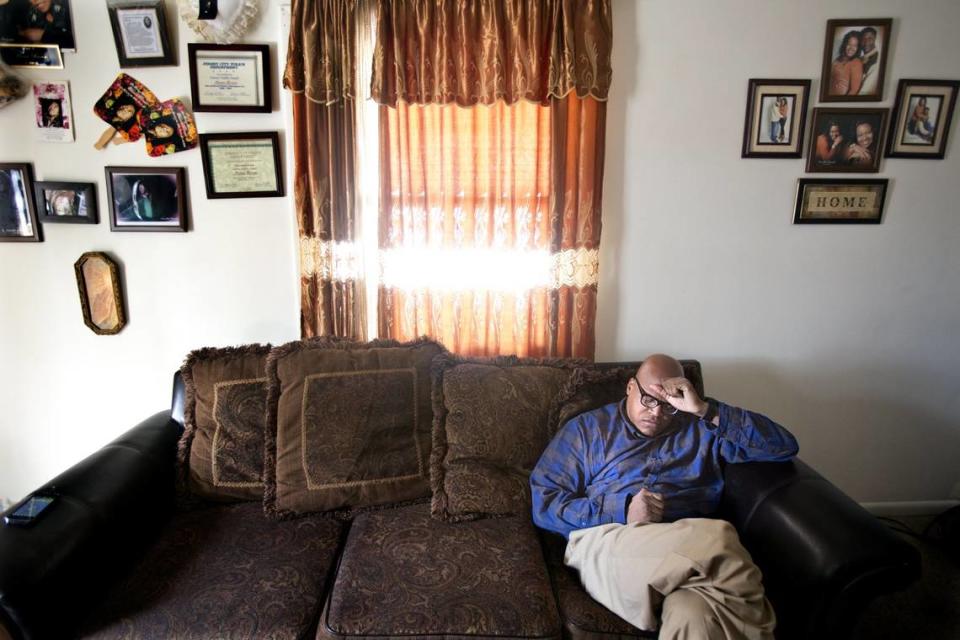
[695, 570]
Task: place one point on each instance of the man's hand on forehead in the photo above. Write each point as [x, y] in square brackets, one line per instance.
[680, 393]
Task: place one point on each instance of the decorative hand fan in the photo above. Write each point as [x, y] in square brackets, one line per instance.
[233, 19]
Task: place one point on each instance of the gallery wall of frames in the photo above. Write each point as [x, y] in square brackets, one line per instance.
[845, 139]
[220, 74]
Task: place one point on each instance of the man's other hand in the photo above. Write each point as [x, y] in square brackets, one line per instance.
[646, 506]
[680, 393]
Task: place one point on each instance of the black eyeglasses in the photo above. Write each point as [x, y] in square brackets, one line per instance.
[650, 402]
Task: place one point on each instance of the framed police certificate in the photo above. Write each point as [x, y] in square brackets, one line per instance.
[230, 77]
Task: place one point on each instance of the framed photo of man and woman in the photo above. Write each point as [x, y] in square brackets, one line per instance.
[921, 118]
[775, 119]
[855, 55]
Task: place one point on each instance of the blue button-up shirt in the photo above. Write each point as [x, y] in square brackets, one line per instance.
[598, 460]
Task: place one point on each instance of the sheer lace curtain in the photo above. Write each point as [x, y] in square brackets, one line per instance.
[487, 151]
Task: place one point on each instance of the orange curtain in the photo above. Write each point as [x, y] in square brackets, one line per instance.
[492, 124]
[320, 72]
[490, 224]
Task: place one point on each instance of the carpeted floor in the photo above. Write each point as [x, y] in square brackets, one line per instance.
[930, 608]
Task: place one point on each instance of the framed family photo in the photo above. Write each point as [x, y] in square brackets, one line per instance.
[921, 118]
[72, 202]
[140, 33]
[147, 198]
[855, 54]
[776, 118]
[232, 78]
[241, 165]
[839, 201]
[18, 216]
[846, 140]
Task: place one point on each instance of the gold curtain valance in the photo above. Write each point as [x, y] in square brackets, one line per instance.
[321, 49]
[479, 51]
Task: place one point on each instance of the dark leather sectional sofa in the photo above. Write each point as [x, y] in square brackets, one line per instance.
[116, 558]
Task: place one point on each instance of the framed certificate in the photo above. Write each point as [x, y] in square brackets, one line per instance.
[140, 33]
[241, 165]
[230, 77]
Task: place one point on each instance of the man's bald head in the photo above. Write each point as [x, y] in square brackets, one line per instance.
[658, 367]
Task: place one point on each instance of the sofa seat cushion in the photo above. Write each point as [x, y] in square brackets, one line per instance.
[224, 572]
[404, 574]
[583, 617]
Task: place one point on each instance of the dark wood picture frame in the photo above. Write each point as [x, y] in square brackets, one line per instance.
[210, 167]
[853, 199]
[91, 303]
[263, 83]
[6, 210]
[125, 58]
[900, 120]
[40, 190]
[830, 52]
[755, 121]
[123, 220]
[843, 158]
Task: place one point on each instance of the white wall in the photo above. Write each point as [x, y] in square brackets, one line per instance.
[232, 279]
[846, 334]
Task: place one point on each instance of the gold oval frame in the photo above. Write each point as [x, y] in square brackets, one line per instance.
[112, 288]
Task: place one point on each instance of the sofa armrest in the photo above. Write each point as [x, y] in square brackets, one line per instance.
[823, 556]
[110, 507]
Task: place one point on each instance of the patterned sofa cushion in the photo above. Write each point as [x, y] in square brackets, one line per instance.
[223, 572]
[593, 386]
[404, 574]
[348, 425]
[583, 617]
[491, 423]
[220, 454]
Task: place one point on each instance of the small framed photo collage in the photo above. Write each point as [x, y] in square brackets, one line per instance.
[848, 140]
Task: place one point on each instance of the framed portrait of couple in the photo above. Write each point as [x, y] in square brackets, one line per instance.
[855, 54]
[776, 118]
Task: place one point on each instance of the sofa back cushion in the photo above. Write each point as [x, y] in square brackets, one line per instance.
[593, 386]
[348, 425]
[220, 454]
[491, 423]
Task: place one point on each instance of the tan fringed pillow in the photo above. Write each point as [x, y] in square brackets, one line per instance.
[220, 454]
[491, 423]
[592, 387]
[348, 425]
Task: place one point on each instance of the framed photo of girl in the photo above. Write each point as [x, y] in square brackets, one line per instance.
[855, 53]
[846, 140]
[776, 118]
[921, 119]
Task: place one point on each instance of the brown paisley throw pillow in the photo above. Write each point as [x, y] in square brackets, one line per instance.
[348, 425]
[491, 423]
[594, 386]
[221, 451]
